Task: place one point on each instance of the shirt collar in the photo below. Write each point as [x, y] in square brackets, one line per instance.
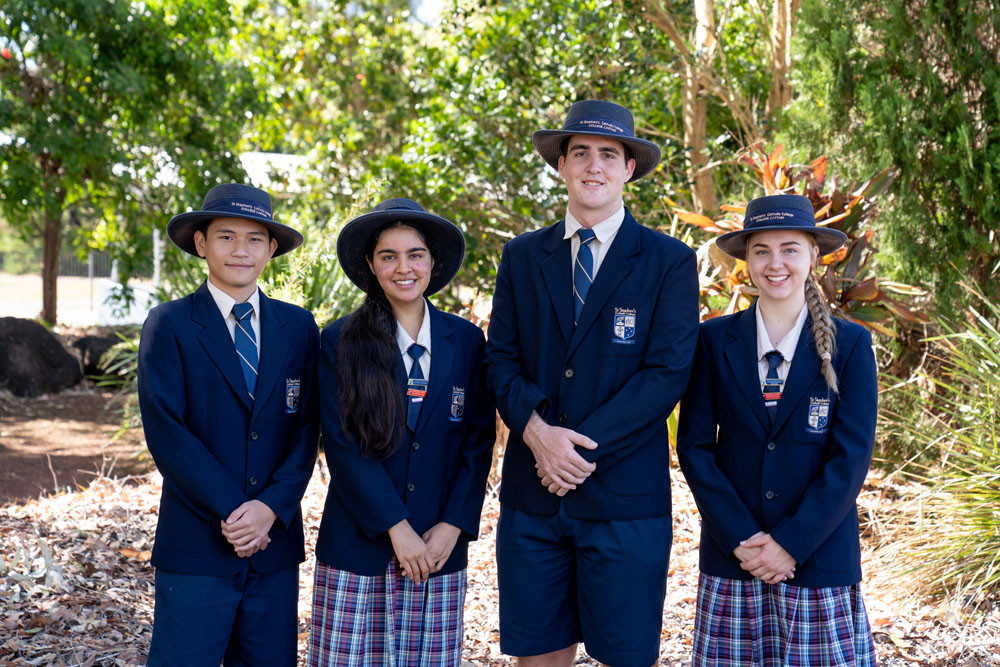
[787, 344]
[226, 302]
[403, 339]
[603, 230]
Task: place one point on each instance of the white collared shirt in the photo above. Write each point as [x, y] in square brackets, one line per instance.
[786, 346]
[225, 304]
[605, 232]
[404, 342]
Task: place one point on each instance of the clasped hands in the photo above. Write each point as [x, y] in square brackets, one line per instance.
[559, 465]
[421, 556]
[764, 558]
[246, 528]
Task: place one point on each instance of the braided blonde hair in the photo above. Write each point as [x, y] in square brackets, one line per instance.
[823, 333]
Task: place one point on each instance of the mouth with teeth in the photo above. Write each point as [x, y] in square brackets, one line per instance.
[406, 283]
[777, 280]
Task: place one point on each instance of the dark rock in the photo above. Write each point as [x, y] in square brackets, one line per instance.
[33, 361]
[91, 349]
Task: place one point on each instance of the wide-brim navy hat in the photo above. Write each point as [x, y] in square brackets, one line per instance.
[356, 238]
[232, 200]
[604, 119]
[780, 212]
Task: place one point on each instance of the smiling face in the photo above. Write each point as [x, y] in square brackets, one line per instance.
[402, 263]
[779, 263]
[236, 251]
[595, 170]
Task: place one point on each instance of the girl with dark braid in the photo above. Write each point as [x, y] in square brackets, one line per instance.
[408, 430]
[776, 435]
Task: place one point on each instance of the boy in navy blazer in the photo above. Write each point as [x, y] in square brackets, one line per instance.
[590, 345]
[226, 379]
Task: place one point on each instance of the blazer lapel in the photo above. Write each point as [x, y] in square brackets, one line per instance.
[804, 369]
[741, 353]
[557, 274]
[218, 343]
[274, 348]
[442, 355]
[615, 266]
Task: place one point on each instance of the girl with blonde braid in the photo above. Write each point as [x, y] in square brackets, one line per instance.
[776, 435]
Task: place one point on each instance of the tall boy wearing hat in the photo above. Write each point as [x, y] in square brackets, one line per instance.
[590, 345]
[226, 390]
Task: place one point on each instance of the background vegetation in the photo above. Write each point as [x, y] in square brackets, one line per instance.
[114, 115]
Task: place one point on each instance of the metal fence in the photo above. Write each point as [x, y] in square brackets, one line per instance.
[19, 263]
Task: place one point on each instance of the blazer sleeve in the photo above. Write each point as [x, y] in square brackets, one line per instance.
[360, 481]
[651, 394]
[465, 501]
[288, 483]
[183, 459]
[516, 396]
[723, 513]
[834, 492]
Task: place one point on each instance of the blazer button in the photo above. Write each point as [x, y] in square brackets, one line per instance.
[771, 446]
[563, 418]
[410, 487]
[253, 436]
[253, 481]
[769, 495]
[568, 372]
[416, 446]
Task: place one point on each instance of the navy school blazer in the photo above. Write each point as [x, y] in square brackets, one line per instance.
[614, 377]
[437, 474]
[797, 479]
[214, 447]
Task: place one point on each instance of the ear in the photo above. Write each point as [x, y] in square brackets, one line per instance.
[371, 267]
[629, 169]
[274, 246]
[199, 242]
[559, 166]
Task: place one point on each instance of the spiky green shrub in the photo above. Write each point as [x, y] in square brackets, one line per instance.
[955, 415]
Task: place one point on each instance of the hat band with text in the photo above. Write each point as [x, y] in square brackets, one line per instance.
[776, 217]
[242, 206]
[591, 125]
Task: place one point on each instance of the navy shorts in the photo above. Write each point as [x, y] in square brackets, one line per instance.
[564, 580]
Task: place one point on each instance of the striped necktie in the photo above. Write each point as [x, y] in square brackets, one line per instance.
[583, 271]
[416, 387]
[246, 345]
[772, 383]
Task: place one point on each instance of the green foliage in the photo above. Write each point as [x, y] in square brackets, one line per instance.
[957, 421]
[912, 85]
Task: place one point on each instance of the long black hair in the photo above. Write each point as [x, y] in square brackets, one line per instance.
[372, 406]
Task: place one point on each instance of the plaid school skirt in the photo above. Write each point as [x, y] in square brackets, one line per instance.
[743, 623]
[386, 620]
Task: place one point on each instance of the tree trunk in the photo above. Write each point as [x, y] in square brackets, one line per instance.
[782, 18]
[695, 110]
[52, 243]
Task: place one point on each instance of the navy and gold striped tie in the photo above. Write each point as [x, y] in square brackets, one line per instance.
[583, 271]
[246, 345]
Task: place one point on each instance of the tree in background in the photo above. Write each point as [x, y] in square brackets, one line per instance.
[117, 113]
[914, 85]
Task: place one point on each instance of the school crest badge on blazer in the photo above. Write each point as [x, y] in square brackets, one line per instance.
[624, 325]
[457, 404]
[819, 415]
[293, 389]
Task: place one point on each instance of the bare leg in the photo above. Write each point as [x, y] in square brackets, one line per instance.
[561, 658]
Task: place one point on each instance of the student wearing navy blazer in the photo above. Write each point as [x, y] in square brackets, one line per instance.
[235, 456]
[776, 471]
[408, 429]
[586, 383]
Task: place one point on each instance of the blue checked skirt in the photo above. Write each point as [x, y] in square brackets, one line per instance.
[387, 620]
[744, 623]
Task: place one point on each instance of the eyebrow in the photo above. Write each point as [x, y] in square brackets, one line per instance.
[396, 252]
[232, 231]
[608, 149]
[785, 243]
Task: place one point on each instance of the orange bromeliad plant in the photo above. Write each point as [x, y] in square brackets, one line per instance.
[846, 276]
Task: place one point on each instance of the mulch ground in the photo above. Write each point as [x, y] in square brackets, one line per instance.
[76, 587]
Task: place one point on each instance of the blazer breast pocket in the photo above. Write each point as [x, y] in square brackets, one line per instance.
[625, 328]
